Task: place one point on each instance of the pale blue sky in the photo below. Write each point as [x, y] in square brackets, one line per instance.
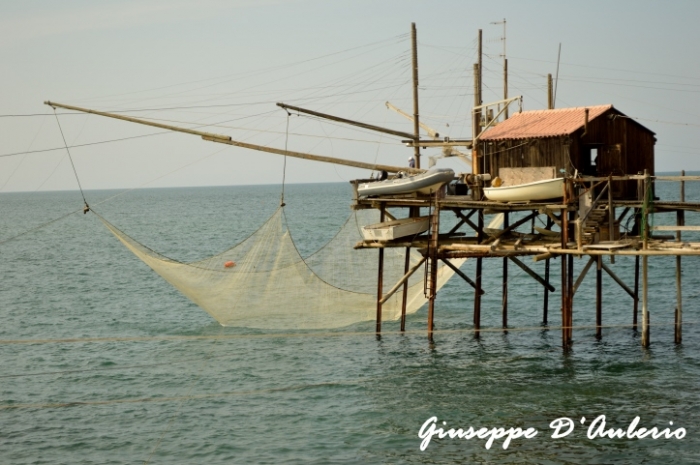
[230, 61]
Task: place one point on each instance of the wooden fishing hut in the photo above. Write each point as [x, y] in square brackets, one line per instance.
[606, 163]
[597, 141]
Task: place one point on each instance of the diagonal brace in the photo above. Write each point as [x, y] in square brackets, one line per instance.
[396, 287]
[534, 275]
[463, 276]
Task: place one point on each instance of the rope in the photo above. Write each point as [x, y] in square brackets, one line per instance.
[87, 207]
[284, 167]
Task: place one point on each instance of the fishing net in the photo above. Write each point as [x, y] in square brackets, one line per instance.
[264, 282]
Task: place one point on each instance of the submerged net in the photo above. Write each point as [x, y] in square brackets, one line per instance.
[268, 284]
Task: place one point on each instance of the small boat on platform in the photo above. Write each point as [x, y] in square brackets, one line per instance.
[424, 183]
[390, 230]
[531, 191]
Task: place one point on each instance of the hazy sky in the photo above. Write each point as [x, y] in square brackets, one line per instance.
[222, 65]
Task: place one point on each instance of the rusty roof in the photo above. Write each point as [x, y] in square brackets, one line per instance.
[544, 123]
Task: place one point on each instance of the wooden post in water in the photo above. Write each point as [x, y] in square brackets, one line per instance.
[680, 221]
[404, 298]
[566, 271]
[599, 297]
[635, 310]
[645, 259]
[432, 264]
[477, 294]
[380, 276]
[504, 309]
[545, 305]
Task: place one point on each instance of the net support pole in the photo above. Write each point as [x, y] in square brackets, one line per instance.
[645, 301]
[380, 276]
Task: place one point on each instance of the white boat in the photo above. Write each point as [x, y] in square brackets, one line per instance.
[394, 229]
[531, 191]
[425, 183]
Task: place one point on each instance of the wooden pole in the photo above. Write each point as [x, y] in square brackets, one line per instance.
[635, 309]
[505, 84]
[680, 221]
[432, 264]
[645, 259]
[416, 124]
[545, 305]
[550, 92]
[599, 298]
[380, 276]
[570, 301]
[504, 301]
[476, 122]
[645, 302]
[404, 298]
[546, 293]
[477, 294]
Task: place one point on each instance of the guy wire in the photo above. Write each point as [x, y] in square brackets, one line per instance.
[70, 157]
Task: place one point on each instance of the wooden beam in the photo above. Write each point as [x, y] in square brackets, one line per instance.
[579, 280]
[534, 275]
[371, 127]
[624, 286]
[401, 281]
[459, 273]
[520, 222]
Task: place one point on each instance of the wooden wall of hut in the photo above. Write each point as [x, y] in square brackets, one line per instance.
[611, 144]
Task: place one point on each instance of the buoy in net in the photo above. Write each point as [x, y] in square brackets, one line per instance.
[229, 264]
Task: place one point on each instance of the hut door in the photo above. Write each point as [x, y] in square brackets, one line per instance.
[610, 162]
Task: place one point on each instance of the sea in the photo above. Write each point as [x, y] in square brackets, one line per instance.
[103, 362]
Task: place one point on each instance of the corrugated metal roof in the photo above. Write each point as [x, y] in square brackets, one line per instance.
[544, 123]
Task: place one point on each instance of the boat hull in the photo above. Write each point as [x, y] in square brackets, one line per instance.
[424, 183]
[394, 229]
[538, 190]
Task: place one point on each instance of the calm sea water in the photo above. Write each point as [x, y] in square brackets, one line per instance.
[88, 375]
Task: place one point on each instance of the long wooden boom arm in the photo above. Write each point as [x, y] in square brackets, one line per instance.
[371, 127]
[223, 139]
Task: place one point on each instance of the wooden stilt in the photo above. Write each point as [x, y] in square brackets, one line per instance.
[504, 301]
[570, 301]
[545, 310]
[404, 299]
[635, 310]
[545, 305]
[599, 298]
[645, 302]
[432, 266]
[380, 277]
[680, 220]
[645, 259]
[564, 297]
[477, 295]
